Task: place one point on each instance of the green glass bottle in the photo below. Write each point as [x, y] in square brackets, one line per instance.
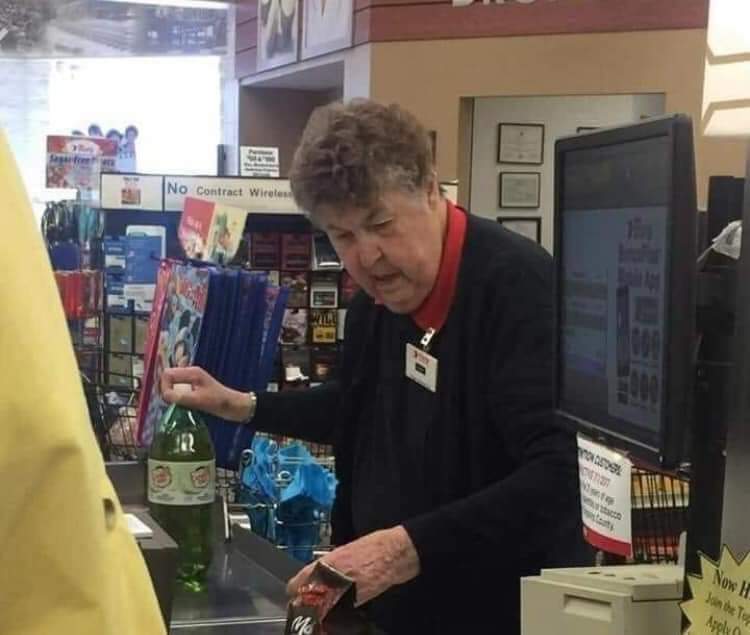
[181, 490]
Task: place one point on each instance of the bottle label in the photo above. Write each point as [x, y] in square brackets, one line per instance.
[178, 483]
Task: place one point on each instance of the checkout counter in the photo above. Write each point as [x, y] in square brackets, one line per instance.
[246, 592]
[247, 578]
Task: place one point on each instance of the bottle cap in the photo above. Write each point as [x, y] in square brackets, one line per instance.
[182, 389]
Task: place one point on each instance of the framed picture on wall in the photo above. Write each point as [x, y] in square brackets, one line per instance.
[521, 143]
[327, 26]
[519, 189]
[530, 227]
[278, 33]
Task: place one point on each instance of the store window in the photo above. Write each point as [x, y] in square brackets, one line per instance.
[175, 103]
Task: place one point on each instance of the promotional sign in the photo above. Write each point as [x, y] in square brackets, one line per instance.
[259, 161]
[617, 341]
[605, 478]
[75, 162]
[132, 191]
[273, 196]
[168, 193]
[721, 597]
[210, 231]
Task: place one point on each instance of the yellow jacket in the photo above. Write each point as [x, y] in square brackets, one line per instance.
[67, 561]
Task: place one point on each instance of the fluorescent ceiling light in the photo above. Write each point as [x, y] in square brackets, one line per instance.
[726, 85]
[185, 4]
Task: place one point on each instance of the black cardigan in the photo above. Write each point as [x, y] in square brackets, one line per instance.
[501, 491]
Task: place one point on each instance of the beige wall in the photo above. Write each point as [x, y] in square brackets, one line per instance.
[430, 77]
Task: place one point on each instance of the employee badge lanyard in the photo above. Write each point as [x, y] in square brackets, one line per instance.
[422, 367]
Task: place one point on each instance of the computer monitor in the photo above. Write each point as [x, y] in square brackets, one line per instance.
[625, 252]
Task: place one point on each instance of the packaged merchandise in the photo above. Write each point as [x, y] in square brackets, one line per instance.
[296, 364]
[323, 326]
[265, 251]
[324, 605]
[324, 290]
[323, 363]
[210, 231]
[297, 282]
[294, 327]
[296, 251]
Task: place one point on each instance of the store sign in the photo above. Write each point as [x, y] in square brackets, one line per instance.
[606, 484]
[132, 191]
[259, 161]
[75, 162]
[254, 195]
[720, 602]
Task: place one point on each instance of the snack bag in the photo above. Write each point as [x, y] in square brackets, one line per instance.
[315, 600]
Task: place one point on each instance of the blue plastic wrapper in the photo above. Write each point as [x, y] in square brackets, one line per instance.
[288, 495]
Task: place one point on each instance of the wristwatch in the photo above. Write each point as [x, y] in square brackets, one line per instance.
[251, 410]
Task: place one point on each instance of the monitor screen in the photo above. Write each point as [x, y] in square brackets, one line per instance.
[615, 258]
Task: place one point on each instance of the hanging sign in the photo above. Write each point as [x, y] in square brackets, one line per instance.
[132, 191]
[273, 196]
[606, 484]
[75, 162]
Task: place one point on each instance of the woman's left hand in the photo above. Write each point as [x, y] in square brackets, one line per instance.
[375, 562]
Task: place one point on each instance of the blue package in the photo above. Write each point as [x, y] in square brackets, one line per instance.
[142, 259]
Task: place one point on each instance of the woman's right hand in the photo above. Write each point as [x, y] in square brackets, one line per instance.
[207, 395]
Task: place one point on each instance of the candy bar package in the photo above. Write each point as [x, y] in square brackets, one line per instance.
[324, 605]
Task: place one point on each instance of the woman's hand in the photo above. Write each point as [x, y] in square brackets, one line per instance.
[375, 562]
[207, 395]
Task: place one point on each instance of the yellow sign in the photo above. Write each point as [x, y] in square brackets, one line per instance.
[721, 597]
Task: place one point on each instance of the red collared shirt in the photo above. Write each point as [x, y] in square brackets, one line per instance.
[434, 310]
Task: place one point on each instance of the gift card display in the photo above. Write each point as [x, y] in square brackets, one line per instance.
[296, 364]
[323, 326]
[324, 255]
[265, 251]
[297, 283]
[294, 327]
[324, 290]
[121, 333]
[296, 251]
[323, 363]
[141, 331]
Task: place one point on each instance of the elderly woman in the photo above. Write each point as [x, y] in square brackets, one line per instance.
[454, 479]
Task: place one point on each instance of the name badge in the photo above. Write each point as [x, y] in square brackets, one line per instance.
[421, 367]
